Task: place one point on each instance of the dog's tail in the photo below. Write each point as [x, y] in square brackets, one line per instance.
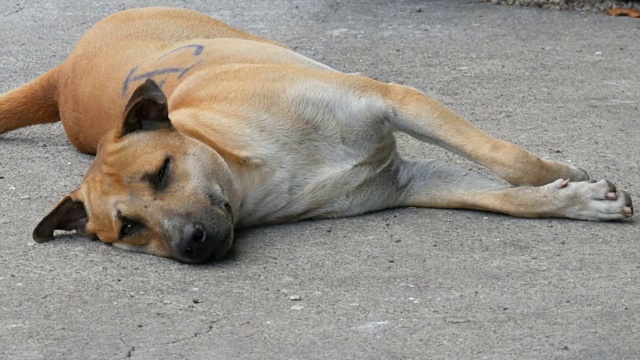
[33, 103]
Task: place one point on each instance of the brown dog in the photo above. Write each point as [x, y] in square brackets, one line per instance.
[222, 129]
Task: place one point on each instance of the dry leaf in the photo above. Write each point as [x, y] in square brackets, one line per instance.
[624, 12]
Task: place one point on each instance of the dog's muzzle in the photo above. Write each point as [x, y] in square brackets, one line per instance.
[197, 244]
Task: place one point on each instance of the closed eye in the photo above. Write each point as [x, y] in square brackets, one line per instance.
[160, 178]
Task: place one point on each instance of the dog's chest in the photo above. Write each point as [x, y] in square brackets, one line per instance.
[314, 159]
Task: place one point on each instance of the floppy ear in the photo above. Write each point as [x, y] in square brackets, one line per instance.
[147, 110]
[69, 214]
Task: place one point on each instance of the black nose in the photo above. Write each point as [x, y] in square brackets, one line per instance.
[194, 242]
[195, 232]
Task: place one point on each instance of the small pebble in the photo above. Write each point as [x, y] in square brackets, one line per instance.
[295, 297]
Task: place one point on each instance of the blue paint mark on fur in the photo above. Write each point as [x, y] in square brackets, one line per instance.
[198, 49]
[181, 71]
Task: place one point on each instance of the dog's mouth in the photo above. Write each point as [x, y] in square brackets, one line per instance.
[200, 242]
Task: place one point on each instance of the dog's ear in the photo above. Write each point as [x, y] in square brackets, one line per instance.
[147, 110]
[69, 214]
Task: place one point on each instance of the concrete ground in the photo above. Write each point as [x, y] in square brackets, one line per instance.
[401, 284]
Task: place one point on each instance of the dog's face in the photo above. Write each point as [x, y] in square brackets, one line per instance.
[151, 189]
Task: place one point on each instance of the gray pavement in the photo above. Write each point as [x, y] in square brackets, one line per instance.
[401, 284]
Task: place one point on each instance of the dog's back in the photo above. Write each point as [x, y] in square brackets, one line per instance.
[88, 80]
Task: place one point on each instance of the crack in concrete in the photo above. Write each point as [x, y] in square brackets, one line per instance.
[195, 334]
[19, 7]
[80, 24]
[130, 351]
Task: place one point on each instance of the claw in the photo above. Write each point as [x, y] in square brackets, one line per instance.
[611, 186]
[586, 174]
[561, 183]
[627, 210]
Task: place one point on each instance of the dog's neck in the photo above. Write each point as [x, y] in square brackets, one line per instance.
[244, 168]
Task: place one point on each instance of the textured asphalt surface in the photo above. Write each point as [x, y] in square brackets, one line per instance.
[402, 284]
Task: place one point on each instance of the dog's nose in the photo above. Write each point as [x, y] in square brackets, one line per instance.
[194, 232]
[194, 242]
[199, 242]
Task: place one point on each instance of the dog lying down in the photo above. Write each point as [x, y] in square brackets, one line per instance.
[200, 128]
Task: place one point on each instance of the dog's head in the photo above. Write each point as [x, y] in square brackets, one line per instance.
[151, 189]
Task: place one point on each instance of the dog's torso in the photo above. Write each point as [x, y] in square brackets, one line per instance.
[298, 146]
[268, 110]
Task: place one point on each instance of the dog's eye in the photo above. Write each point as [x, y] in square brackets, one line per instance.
[128, 227]
[159, 179]
[162, 173]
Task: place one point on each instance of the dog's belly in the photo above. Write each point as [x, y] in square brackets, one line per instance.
[337, 186]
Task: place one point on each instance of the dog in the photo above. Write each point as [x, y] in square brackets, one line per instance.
[200, 129]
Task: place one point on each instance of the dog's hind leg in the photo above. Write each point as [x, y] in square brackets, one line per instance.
[427, 120]
[437, 185]
[33, 103]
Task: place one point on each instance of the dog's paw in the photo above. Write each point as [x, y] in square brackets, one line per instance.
[594, 200]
